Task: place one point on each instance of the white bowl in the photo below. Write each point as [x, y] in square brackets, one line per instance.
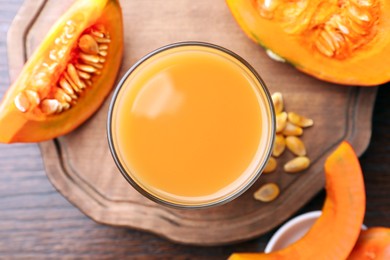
[293, 230]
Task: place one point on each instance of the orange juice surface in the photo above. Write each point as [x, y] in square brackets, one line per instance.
[189, 125]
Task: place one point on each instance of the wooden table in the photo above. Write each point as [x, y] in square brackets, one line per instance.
[37, 222]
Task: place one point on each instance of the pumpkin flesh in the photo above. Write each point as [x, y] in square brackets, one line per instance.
[334, 234]
[35, 107]
[373, 243]
[344, 42]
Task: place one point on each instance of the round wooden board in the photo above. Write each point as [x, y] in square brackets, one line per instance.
[80, 165]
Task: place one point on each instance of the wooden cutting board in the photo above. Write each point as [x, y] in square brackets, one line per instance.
[80, 165]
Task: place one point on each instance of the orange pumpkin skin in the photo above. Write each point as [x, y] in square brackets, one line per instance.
[335, 233]
[373, 243]
[344, 42]
[47, 65]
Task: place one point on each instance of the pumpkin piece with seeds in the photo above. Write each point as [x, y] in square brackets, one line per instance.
[68, 76]
[334, 234]
[344, 42]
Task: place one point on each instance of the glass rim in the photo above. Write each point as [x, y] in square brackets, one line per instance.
[217, 201]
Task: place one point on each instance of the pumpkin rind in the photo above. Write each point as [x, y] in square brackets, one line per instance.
[373, 243]
[33, 125]
[360, 42]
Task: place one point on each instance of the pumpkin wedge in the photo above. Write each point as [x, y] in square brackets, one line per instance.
[373, 243]
[335, 233]
[68, 76]
[345, 42]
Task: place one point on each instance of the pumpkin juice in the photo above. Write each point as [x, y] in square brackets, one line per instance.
[191, 125]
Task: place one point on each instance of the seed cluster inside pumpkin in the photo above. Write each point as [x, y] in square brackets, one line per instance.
[88, 59]
[334, 29]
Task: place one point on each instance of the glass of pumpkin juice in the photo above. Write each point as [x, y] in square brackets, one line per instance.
[191, 125]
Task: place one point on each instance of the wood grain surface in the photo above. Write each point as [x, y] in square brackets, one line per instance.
[37, 222]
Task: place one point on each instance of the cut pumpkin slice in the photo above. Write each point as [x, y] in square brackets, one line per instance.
[373, 243]
[68, 76]
[345, 42]
[335, 233]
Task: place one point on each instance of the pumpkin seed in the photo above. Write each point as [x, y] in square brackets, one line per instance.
[103, 47]
[292, 130]
[32, 96]
[89, 58]
[297, 164]
[65, 106]
[365, 3]
[59, 110]
[268, 192]
[359, 15]
[339, 25]
[86, 68]
[299, 120]
[88, 82]
[102, 40]
[72, 72]
[281, 121]
[271, 165]
[277, 100]
[87, 44]
[295, 145]
[98, 66]
[103, 53]
[61, 96]
[98, 34]
[338, 40]
[274, 56]
[279, 145]
[67, 88]
[50, 106]
[21, 102]
[328, 40]
[323, 48]
[356, 27]
[83, 75]
[76, 88]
